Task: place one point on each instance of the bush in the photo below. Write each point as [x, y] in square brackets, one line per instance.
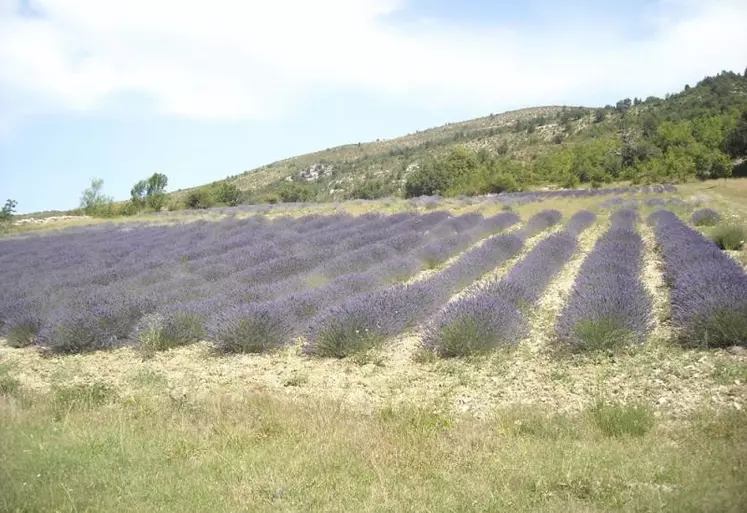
[156, 201]
[608, 305]
[729, 236]
[200, 198]
[159, 332]
[83, 395]
[92, 322]
[228, 194]
[709, 306]
[475, 325]
[705, 217]
[722, 327]
[344, 338]
[293, 192]
[21, 323]
[250, 328]
[23, 335]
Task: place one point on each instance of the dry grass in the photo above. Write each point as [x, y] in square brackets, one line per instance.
[97, 448]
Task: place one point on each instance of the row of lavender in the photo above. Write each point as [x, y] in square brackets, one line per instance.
[608, 304]
[708, 289]
[89, 288]
[496, 315]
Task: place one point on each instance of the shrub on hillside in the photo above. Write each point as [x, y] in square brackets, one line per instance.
[228, 194]
[200, 198]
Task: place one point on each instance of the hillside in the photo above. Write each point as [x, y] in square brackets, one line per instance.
[671, 139]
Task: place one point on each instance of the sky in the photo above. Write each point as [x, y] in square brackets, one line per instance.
[200, 90]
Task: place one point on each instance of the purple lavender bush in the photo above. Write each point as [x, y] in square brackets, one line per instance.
[540, 222]
[95, 320]
[173, 326]
[608, 305]
[580, 221]
[253, 328]
[474, 325]
[708, 290]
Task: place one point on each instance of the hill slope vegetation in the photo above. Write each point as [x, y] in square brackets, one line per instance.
[696, 133]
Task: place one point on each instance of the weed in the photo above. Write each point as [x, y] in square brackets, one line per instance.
[9, 385]
[146, 378]
[83, 395]
[728, 371]
[729, 425]
[296, 380]
[368, 357]
[533, 422]
[601, 334]
[617, 419]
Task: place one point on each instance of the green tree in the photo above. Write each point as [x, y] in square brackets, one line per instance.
[228, 194]
[671, 134]
[292, 192]
[709, 164]
[6, 214]
[155, 191]
[427, 180]
[200, 198]
[93, 201]
[709, 131]
[458, 172]
[137, 193]
[735, 143]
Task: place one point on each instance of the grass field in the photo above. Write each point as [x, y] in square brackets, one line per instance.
[649, 428]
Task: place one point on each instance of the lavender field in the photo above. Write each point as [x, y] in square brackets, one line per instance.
[340, 284]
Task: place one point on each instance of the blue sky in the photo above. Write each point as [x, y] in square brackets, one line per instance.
[202, 90]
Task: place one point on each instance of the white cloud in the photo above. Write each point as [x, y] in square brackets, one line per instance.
[235, 59]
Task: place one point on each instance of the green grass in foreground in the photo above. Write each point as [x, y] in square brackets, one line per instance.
[76, 449]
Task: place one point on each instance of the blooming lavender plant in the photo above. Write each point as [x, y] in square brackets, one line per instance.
[708, 290]
[608, 305]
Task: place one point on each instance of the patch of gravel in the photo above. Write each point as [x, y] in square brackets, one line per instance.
[674, 382]
[653, 281]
